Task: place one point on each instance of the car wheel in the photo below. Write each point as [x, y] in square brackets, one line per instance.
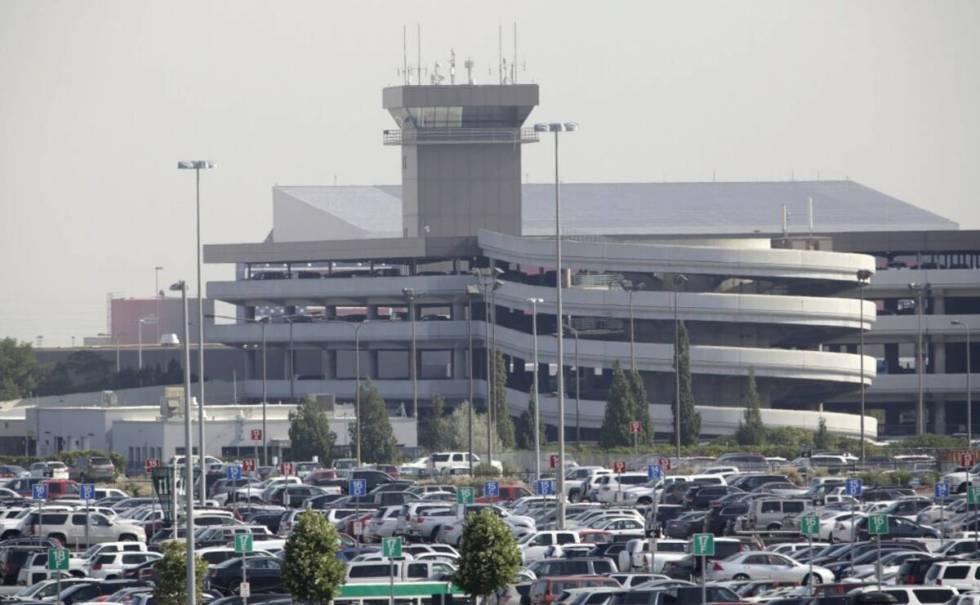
[773, 527]
[60, 538]
[127, 538]
[233, 589]
[435, 532]
[816, 580]
[740, 577]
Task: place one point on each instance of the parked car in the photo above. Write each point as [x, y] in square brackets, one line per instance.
[87, 469]
[264, 575]
[544, 591]
[764, 565]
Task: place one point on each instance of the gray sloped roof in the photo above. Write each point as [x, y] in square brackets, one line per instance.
[662, 208]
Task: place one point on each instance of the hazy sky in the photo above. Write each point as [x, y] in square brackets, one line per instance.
[99, 99]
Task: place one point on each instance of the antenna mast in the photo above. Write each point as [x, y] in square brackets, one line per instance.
[419, 41]
[513, 63]
[405, 55]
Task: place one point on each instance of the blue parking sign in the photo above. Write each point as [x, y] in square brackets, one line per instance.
[655, 472]
[233, 472]
[852, 487]
[942, 490]
[39, 491]
[358, 487]
[86, 491]
[491, 489]
[544, 487]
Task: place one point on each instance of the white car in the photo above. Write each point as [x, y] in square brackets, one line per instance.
[915, 595]
[534, 545]
[842, 528]
[620, 525]
[383, 524]
[764, 565]
[35, 569]
[110, 566]
[959, 479]
[933, 514]
[828, 522]
[610, 488]
[635, 557]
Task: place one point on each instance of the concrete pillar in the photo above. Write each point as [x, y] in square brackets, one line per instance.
[939, 351]
[938, 405]
[371, 311]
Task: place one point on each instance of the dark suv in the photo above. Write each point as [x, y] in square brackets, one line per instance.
[580, 566]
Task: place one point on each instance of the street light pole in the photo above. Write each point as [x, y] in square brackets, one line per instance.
[197, 166]
[357, 394]
[188, 447]
[556, 128]
[863, 276]
[470, 292]
[969, 394]
[265, 395]
[920, 408]
[534, 395]
[679, 280]
[410, 295]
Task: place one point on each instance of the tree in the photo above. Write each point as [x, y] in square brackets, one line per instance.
[690, 419]
[821, 439]
[524, 429]
[641, 408]
[751, 430]
[489, 557]
[171, 587]
[310, 434]
[20, 373]
[505, 424]
[432, 433]
[619, 411]
[458, 431]
[311, 571]
[378, 442]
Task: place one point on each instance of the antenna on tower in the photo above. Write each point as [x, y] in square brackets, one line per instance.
[405, 55]
[419, 41]
[500, 52]
[452, 66]
[468, 65]
[513, 62]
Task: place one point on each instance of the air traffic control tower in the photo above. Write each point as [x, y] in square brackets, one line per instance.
[461, 156]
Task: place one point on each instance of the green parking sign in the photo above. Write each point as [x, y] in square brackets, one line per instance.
[810, 525]
[58, 559]
[703, 545]
[243, 543]
[878, 525]
[973, 494]
[391, 548]
[465, 495]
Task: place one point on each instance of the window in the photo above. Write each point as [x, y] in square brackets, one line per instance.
[793, 507]
[393, 365]
[770, 507]
[436, 364]
[932, 596]
[956, 572]
[542, 540]
[566, 538]
[370, 571]
[418, 570]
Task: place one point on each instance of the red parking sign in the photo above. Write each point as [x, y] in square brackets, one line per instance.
[150, 464]
[553, 461]
[636, 426]
[256, 434]
[967, 459]
[664, 463]
[248, 465]
[619, 467]
[286, 468]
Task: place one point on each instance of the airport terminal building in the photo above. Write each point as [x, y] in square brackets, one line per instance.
[767, 277]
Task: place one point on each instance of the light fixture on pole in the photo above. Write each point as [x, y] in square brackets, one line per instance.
[969, 394]
[679, 280]
[920, 407]
[863, 276]
[188, 451]
[197, 166]
[556, 128]
[534, 394]
[409, 294]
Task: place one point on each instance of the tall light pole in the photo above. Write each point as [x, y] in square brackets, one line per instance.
[197, 166]
[578, 407]
[534, 394]
[863, 276]
[556, 128]
[920, 407]
[969, 394]
[679, 280]
[357, 385]
[472, 291]
[409, 294]
[188, 448]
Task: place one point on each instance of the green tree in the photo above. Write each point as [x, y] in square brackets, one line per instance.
[489, 557]
[432, 432]
[311, 571]
[641, 408]
[505, 424]
[458, 431]
[20, 373]
[619, 411]
[690, 419]
[821, 439]
[524, 429]
[171, 588]
[378, 442]
[310, 434]
[751, 430]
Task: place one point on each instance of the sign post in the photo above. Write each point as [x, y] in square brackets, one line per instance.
[248, 466]
[39, 491]
[163, 485]
[87, 492]
[973, 499]
[853, 488]
[357, 489]
[465, 495]
[256, 438]
[619, 467]
[703, 546]
[491, 489]
[636, 427]
[654, 473]
[878, 526]
[809, 527]
[58, 562]
[243, 545]
[941, 493]
[392, 549]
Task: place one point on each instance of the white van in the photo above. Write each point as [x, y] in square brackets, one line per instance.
[958, 574]
[362, 572]
[916, 595]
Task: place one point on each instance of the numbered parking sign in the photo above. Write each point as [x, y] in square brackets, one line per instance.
[810, 525]
[234, 472]
[878, 525]
[86, 491]
[655, 472]
[491, 489]
[39, 491]
[544, 487]
[358, 487]
[703, 545]
[852, 487]
[942, 490]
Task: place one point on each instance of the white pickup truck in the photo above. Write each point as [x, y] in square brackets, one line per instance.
[519, 525]
[443, 462]
[958, 479]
